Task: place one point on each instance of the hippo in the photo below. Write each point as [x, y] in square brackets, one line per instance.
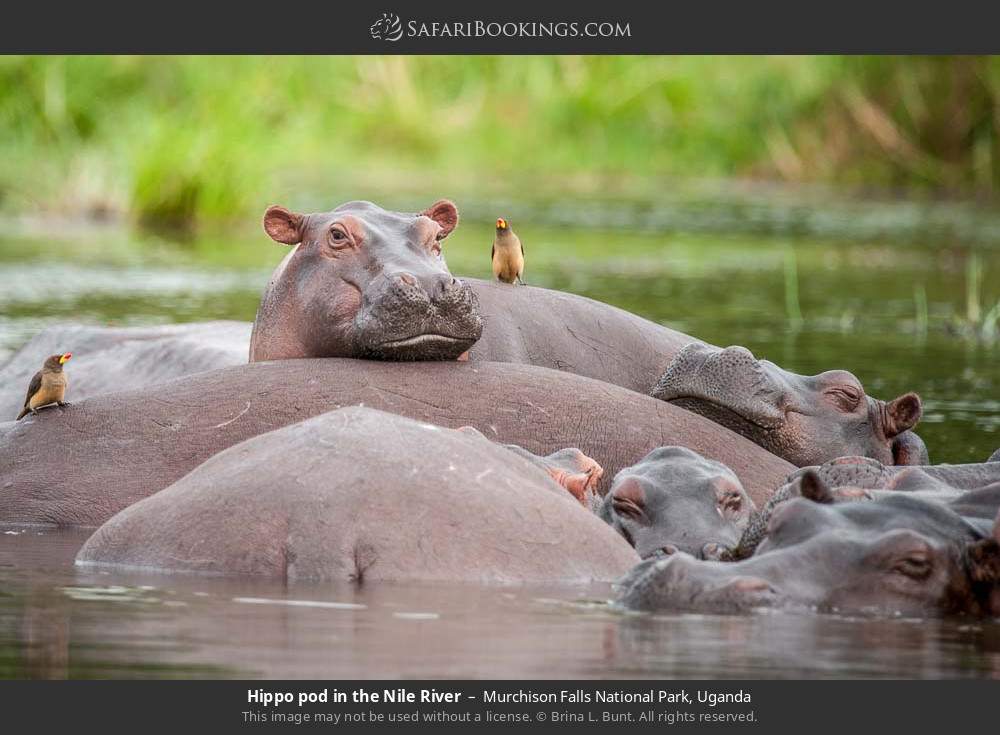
[673, 500]
[870, 474]
[898, 555]
[116, 449]
[804, 419]
[971, 490]
[360, 495]
[364, 282]
[995, 457]
[107, 359]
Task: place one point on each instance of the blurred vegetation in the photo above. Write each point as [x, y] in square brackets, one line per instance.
[174, 141]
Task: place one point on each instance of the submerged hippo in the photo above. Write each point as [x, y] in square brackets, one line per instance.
[108, 359]
[364, 282]
[358, 494]
[899, 555]
[673, 500]
[972, 491]
[804, 419]
[116, 449]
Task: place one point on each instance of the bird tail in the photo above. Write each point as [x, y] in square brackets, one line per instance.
[24, 412]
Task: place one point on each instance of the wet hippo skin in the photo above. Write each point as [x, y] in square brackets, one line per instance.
[563, 331]
[358, 494]
[117, 449]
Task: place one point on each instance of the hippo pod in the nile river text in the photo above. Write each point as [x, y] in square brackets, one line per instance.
[117, 449]
[358, 494]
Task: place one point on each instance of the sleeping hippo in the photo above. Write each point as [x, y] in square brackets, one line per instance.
[113, 450]
[971, 490]
[360, 495]
[899, 555]
[361, 281]
[673, 500]
[804, 419]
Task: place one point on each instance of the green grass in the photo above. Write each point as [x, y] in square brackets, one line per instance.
[176, 141]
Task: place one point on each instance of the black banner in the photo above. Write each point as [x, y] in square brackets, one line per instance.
[514, 27]
[772, 706]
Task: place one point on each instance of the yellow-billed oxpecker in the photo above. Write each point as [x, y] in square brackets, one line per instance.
[48, 386]
[508, 254]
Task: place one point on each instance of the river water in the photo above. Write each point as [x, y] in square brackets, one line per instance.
[900, 312]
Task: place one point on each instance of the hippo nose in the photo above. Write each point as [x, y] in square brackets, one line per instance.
[435, 285]
[444, 283]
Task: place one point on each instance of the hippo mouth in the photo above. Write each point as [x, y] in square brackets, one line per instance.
[419, 340]
[428, 346]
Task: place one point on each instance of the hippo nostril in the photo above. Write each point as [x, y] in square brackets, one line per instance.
[407, 279]
[669, 550]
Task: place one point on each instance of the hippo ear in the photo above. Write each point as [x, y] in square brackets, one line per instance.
[282, 225]
[814, 488]
[903, 413]
[445, 213]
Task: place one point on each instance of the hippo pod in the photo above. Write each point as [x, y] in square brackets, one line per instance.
[116, 449]
[108, 359]
[899, 555]
[804, 419]
[358, 494]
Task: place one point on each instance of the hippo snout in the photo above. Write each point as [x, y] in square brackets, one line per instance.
[681, 582]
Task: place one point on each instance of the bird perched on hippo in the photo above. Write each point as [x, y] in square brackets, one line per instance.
[507, 255]
[47, 386]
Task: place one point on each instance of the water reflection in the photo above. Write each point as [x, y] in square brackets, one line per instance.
[57, 622]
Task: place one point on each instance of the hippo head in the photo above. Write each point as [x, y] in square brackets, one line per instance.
[364, 282]
[898, 556]
[804, 419]
[676, 500]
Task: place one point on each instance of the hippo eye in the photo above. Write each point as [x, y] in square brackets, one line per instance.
[846, 398]
[338, 237]
[915, 566]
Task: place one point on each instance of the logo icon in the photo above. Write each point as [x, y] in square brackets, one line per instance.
[387, 28]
